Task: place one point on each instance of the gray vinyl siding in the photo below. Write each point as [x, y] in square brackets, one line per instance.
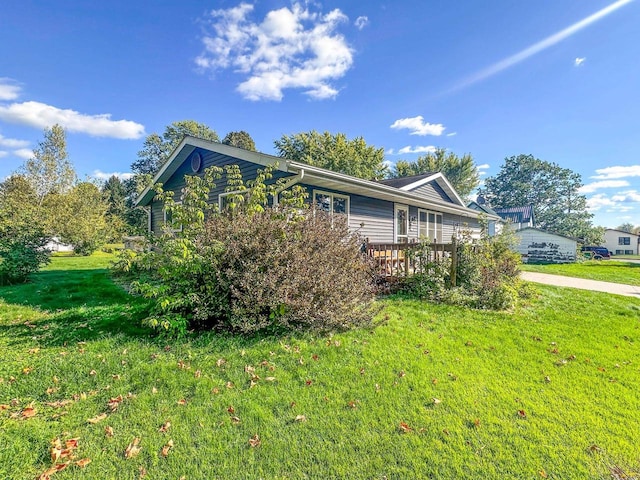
[209, 159]
[432, 191]
[370, 217]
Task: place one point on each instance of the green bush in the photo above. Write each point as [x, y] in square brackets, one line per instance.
[487, 273]
[252, 267]
[21, 253]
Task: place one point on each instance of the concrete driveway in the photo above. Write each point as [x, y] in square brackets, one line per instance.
[581, 283]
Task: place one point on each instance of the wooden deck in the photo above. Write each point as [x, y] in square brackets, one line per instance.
[396, 259]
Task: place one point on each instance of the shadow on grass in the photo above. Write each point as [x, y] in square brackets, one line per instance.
[71, 306]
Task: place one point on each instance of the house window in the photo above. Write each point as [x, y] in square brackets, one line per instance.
[402, 224]
[430, 226]
[619, 252]
[331, 202]
[168, 220]
[624, 240]
[628, 252]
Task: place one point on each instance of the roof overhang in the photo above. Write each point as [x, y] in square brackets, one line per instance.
[441, 180]
[314, 176]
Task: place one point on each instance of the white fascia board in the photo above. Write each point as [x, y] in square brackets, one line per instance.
[442, 181]
[189, 144]
[348, 184]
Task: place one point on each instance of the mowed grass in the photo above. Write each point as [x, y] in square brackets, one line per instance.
[549, 391]
[627, 273]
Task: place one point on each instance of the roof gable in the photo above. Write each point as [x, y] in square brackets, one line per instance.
[316, 176]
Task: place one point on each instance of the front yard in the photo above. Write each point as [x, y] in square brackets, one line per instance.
[615, 271]
[549, 391]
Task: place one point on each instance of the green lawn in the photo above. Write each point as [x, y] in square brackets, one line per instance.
[605, 270]
[549, 391]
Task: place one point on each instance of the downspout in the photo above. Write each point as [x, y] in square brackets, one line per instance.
[289, 183]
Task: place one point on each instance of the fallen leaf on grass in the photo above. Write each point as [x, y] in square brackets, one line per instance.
[165, 427]
[4, 407]
[436, 401]
[235, 419]
[52, 470]
[29, 412]
[231, 409]
[543, 474]
[404, 428]
[270, 379]
[97, 418]
[254, 441]
[522, 414]
[114, 403]
[83, 462]
[301, 418]
[108, 431]
[182, 401]
[133, 449]
[166, 448]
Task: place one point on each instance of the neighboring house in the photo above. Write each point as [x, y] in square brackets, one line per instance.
[520, 217]
[56, 245]
[621, 243]
[391, 211]
[493, 226]
[540, 246]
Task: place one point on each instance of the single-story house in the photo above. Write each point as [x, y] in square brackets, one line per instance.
[619, 242]
[391, 211]
[519, 217]
[540, 246]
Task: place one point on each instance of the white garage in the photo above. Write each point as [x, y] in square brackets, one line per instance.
[540, 246]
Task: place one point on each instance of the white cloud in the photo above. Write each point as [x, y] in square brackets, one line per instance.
[539, 46]
[452, 134]
[630, 196]
[8, 89]
[390, 151]
[40, 115]
[361, 22]
[593, 186]
[3, 154]
[418, 126]
[290, 48]
[23, 153]
[482, 168]
[579, 61]
[100, 175]
[417, 149]
[617, 172]
[599, 201]
[12, 142]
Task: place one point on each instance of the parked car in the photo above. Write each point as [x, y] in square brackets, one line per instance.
[596, 253]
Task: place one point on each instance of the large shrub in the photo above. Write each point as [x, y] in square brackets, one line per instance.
[486, 273]
[22, 234]
[252, 267]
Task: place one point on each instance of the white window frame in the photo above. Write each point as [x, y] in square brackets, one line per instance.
[332, 195]
[164, 217]
[438, 234]
[405, 208]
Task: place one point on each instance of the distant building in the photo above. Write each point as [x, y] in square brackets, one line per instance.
[540, 246]
[621, 243]
[520, 217]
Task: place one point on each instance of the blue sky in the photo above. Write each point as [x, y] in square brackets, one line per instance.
[558, 79]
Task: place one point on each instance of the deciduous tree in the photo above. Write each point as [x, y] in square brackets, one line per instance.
[553, 191]
[240, 139]
[49, 170]
[157, 149]
[460, 171]
[334, 152]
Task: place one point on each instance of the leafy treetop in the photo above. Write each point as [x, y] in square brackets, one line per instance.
[334, 152]
[460, 171]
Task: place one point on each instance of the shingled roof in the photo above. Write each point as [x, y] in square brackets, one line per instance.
[404, 181]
